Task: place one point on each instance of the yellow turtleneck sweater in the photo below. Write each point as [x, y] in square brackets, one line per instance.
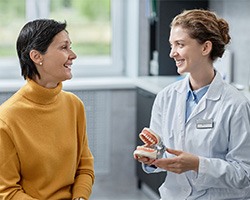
[44, 151]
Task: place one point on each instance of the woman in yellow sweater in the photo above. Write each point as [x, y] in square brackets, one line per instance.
[44, 152]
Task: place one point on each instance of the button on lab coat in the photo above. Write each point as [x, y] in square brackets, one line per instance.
[223, 146]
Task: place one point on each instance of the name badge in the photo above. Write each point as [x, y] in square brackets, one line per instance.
[204, 123]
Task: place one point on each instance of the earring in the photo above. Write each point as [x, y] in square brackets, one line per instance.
[40, 63]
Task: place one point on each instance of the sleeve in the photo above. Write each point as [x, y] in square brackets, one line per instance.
[234, 170]
[9, 168]
[152, 169]
[156, 126]
[156, 115]
[84, 178]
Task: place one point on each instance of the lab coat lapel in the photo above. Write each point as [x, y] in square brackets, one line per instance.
[214, 93]
[199, 108]
[181, 108]
[181, 90]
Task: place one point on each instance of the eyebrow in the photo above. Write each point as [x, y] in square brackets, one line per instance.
[176, 41]
[66, 41]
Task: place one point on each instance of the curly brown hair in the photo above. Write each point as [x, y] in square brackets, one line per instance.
[205, 25]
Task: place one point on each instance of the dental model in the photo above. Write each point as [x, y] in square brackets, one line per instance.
[153, 148]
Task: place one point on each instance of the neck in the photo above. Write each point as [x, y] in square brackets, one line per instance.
[200, 80]
[44, 83]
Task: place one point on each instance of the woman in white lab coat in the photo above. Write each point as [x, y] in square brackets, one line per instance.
[204, 122]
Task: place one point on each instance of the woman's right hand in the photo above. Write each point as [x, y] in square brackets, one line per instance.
[143, 159]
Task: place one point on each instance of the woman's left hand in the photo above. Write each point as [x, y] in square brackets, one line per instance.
[182, 162]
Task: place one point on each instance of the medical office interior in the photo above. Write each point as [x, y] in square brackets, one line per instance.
[119, 81]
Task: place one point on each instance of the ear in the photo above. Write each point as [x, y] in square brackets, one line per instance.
[207, 48]
[36, 57]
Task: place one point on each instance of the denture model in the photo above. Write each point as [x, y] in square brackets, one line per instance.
[153, 147]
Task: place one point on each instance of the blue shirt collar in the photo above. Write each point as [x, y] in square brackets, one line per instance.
[196, 95]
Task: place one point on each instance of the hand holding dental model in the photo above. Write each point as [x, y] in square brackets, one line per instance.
[153, 149]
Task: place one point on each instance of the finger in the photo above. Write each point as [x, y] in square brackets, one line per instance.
[148, 161]
[166, 161]
[173, 151]
[144, 160]
[174, 170]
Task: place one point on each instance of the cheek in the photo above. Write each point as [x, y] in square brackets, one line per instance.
[57, 61]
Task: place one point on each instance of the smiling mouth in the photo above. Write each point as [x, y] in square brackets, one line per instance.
[67, 66]
[179, 62]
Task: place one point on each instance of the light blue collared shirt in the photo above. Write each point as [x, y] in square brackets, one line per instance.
[193, 98]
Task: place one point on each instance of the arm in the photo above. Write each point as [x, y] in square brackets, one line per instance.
[155, 125]
[84, 177]
[10, 169]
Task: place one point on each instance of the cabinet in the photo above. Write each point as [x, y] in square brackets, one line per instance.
[144, 102]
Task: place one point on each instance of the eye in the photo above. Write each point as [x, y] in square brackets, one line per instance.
[180, 44]
[66, 47]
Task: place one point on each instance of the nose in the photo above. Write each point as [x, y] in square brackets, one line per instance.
[172, 53]
[73, 55]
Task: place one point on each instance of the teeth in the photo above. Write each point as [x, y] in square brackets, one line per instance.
[145, 148]
[147, 139]
[179, 62]
[67, 66]
[146, 152]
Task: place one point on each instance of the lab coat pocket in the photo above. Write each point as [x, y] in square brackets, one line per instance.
[198, 141]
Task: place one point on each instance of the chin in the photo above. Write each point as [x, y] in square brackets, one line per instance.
[67, 78]
[181, 71]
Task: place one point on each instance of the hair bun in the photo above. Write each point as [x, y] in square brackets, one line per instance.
[224, 30]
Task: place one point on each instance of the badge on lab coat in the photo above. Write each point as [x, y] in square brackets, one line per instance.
[204, 123]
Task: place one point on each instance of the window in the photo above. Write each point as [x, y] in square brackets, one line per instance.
[95, 28]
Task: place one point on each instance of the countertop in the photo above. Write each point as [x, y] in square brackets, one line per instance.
[155, 84]
[152, 84]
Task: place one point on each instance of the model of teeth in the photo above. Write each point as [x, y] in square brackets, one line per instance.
[153, 148]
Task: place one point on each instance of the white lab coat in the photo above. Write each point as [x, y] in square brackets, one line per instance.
[223, 150]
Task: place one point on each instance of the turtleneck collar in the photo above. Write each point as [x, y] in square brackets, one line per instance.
[39, 94]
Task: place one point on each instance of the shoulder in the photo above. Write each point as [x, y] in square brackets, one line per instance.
[225, 92]
[229, 99]
[71, 98]
[229, 92]
[14, 102]
[233, 95]
[173, 88]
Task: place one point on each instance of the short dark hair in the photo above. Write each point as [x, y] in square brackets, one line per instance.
[36, 35]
